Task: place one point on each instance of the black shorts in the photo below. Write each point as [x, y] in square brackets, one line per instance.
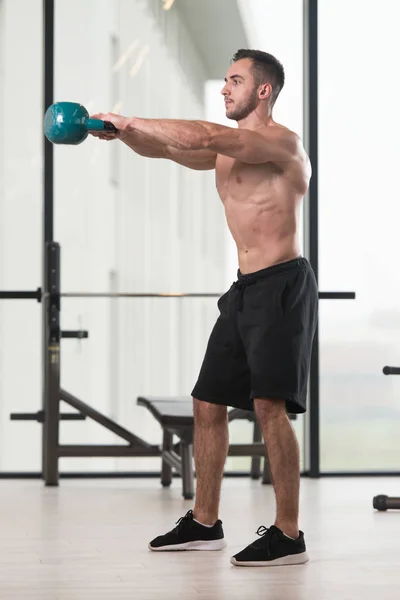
[260, 346]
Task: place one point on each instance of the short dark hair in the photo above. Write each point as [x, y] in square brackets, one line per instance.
[265, 67]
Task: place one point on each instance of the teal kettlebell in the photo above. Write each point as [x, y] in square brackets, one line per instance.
[69, 123]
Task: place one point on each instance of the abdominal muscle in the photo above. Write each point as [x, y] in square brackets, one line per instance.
[264, 225]
[262, 206]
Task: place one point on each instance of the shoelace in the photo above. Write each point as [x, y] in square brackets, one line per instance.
[183, 520]
[265, 538]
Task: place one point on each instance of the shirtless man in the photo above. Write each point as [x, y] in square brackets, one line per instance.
[258, 354]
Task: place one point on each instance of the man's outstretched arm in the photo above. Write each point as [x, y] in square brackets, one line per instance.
[148, 146]
[270, 145]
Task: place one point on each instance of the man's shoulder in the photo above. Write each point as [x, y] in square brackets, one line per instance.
[288, 138]
[280, 132]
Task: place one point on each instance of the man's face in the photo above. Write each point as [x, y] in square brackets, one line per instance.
[240, 90]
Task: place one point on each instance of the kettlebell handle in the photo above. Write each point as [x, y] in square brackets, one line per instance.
[99, 125]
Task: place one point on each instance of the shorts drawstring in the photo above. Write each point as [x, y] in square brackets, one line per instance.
[241, 285]
[244, 280]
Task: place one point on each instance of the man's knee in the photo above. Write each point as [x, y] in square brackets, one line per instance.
[206, 413]
[269, 408]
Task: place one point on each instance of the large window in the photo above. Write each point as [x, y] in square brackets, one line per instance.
[21, 114]
[359, 214]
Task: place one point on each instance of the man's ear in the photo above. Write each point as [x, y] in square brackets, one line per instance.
[266, 90]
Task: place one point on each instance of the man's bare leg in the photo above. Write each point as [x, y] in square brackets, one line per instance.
[284, 460]
[211, 442]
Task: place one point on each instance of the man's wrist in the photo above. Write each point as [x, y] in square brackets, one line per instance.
[131, 125]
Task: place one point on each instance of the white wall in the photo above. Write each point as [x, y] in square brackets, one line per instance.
[124, 222]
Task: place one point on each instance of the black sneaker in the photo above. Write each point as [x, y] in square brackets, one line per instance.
[189, 535]
[273, 549]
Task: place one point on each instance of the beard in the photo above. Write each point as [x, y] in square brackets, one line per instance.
[242, 110]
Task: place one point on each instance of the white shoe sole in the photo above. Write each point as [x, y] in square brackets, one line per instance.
[291, 559]
[197, 545]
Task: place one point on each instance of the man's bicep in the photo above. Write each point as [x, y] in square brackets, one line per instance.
[254, 148]
[199, 160]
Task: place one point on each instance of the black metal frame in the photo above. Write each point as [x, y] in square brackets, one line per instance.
[48, 99]
[50, 348]
[311, 118]
[106, 475]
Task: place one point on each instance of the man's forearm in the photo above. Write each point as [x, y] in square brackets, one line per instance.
[180, 134]
[145, 145]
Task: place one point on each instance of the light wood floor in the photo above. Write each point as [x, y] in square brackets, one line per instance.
[88, 539]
